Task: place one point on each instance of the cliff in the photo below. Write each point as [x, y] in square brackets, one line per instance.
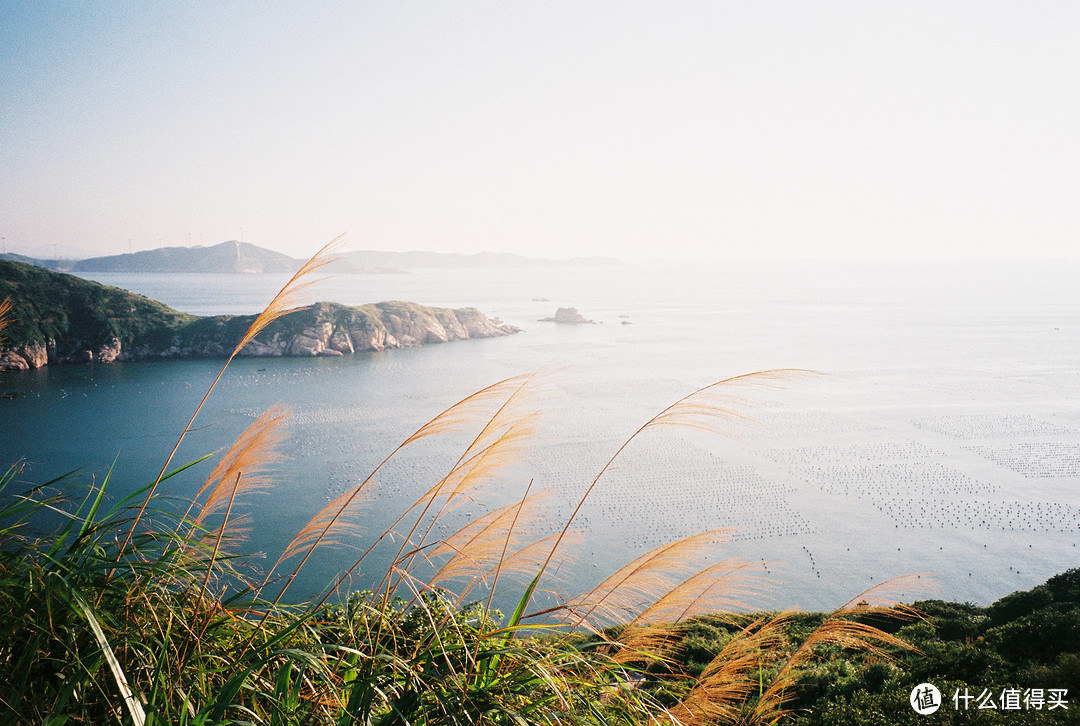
[58, 318]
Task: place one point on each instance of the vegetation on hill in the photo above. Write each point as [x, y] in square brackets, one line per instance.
[58, 265]
[78, 320]
[1025, 646]
[77, 312]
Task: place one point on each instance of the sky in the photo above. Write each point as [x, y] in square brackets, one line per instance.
[554, 129]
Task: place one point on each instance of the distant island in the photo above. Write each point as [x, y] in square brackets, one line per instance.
[229, 256]
[568, 316]
[61, 318]
[234, 256]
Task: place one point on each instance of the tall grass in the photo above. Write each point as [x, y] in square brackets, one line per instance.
[130, 612]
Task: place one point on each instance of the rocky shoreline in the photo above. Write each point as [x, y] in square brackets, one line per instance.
[57, 318]
[325, 329]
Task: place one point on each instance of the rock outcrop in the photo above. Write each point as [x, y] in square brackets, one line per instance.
[568, 316]
[329, 329]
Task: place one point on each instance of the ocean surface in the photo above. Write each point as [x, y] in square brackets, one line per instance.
[939, 437]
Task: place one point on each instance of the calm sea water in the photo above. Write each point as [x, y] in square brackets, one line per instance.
[943, 438]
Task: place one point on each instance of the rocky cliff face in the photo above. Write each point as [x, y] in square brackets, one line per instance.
[326, 329]
[568, 316]
[335, 330]
[24, 357]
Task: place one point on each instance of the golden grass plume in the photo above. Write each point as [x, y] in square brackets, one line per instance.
[338, 518]
[280, 305]
[477, 549]
[631, 590]
[253, 453]
[292, 294]
[5, 316]
[843, 629]
[730, 678]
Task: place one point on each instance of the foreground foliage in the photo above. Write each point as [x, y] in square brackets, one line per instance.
[1029, 640]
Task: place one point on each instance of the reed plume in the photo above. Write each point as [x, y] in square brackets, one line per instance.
[292, 294]
[719, 588]
[282, 304]
[466, 479]
[622, 596]
[842, 629]
[338, 516]
[729, 679]
[253, 453]
[694, 411]
[5, 317]
[495, 447]
[479, 548]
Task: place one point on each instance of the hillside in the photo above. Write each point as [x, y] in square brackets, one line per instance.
[1019, 657]
[229, 256]
[57, 265]
[60, 318]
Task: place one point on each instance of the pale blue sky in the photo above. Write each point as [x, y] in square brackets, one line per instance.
[623, 128]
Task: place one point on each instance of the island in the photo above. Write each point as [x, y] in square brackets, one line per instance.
[59, 318]
[568, 316]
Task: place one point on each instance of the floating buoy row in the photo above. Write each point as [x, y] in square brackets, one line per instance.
[813, 565]
[886, 479]
[999, 516]
[990, 425]
[854, 453]
[803, 423]
[1035, 459]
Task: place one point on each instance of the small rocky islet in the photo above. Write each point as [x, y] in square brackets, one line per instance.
[58, 318]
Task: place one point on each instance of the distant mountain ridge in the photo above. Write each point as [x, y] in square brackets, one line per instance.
[234, 256]
[56, 265]
[231, 256]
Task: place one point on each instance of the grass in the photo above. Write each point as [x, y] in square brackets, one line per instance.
[132, 612]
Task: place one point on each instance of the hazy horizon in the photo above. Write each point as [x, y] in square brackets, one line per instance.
[643, 259]
[630, 130]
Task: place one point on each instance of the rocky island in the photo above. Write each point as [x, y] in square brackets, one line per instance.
[568, 316]
[58, 318]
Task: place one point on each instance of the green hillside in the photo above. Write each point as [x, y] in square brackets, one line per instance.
[79, 313]
[61, 318]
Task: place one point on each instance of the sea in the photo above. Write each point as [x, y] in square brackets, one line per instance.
[928, 424]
